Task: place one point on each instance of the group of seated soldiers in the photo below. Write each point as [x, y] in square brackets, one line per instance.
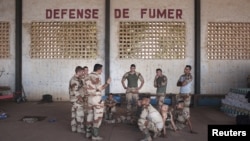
[152, 120]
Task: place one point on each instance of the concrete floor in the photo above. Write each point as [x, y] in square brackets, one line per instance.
[13, 129]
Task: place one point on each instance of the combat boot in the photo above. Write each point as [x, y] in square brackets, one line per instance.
[97, 138]
[106, 116]
[147, 135]
[110, 116]
[156, 134]
[80, 130]
[73, 128]
[88, 135]
[95, 134]
[88, 132]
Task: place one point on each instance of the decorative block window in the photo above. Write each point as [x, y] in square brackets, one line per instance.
[4, 40]
[64, 40]
[228, 41]
[152, 40]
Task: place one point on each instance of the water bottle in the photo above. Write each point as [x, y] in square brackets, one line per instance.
[3, 116]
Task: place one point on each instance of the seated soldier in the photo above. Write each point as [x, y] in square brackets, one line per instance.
[182, 116]
[110, 107]
[150, 120]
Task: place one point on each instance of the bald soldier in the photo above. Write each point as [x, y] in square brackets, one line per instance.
[75, 96]
[150, 120]
[132, 88]
[95, 103]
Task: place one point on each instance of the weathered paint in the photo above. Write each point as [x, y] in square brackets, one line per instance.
[218, 76]
[51, 76]
[171, 68]
[7, 14]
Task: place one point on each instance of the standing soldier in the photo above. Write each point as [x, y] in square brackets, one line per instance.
[84, 78]
[185, 83]
[84, 92]
[150, 120]
[160, 83]
[75, 96]
[132, 88]
[95, 103]
[182, 111]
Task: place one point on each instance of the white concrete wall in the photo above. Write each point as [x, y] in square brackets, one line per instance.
[7, 14]
[51, 76]
[218, 76]
[171, 68]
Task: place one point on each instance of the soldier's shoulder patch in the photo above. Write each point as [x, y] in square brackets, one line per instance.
[72, 85]
[125, 75]
[95, 80]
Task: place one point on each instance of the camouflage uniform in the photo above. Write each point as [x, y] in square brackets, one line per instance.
[182, 111]
[77, 114]
[185, 91]
[84, 91]
[95, 104]
[161, 84]
[131, 92]
[109, 110]
[150, 120]
[181, 116]
[166, 113]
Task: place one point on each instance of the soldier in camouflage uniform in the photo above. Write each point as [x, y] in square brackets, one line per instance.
[75, 96]
[160, 83]
[132, 88]
[166, 113]
[84, 78]
[185, 83]
[182, 111]
[150, 120]
[110, 107]
[95, 103]
[182, 116]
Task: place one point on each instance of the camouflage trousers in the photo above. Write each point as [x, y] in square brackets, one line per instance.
[131, 98]
[150, 126]
[77, 117]
[184, 97]
[94, 119]
[160, 98]
[109, 111]
[95, 115]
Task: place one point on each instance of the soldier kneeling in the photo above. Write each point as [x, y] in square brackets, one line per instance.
[166, 113]
[150, 120]
[110, 107]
